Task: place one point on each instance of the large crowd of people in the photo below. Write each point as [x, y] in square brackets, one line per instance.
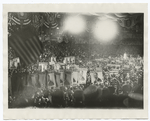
[121, 89]
[86, 51]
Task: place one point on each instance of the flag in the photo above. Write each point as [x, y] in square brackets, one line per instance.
[67, 78]
[82, 76]
[42, 80]
[34, 80]
[51, 80]
[26, 45]
[74, 78]
[62, 77]
[100, 75]
[57, 77]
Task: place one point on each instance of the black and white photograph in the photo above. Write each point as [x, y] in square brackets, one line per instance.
[85, 60]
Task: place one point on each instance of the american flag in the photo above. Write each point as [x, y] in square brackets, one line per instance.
[26, 45]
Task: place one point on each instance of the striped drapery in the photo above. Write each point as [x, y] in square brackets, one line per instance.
[26, 45]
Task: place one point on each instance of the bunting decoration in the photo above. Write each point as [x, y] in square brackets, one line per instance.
[52, 20]
[48, 24]
[18, 18]
[49, 20]
[36, 21]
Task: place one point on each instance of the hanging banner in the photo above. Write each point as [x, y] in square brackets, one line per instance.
[42, 80]
[58, 83]
[82, 76]
[100, 75]
[62, 77]
[67, 78]
[74, 78]
[51, 82]
[34, 79]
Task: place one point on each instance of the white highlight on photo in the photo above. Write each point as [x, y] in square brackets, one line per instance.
[105, 30]
[75, 24]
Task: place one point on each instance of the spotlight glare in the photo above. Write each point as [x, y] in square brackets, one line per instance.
[105, 30]
[74, 24]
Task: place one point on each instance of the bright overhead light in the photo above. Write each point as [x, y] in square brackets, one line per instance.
[74, 24]
[105, 30]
